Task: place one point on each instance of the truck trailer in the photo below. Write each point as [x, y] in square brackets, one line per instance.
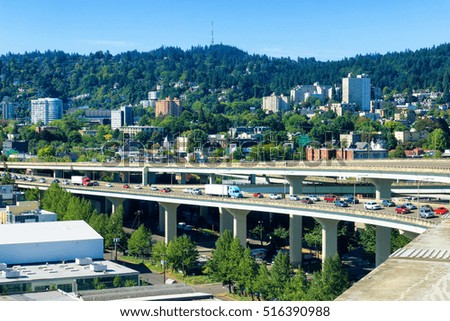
[81, 180]
[232, 191]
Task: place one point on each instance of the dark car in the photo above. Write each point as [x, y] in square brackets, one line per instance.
[258, 195]
[306, 200]
[351, 200]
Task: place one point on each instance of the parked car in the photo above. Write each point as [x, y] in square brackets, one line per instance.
[426, 213]
[402, 210]
[275, 196]
[426, 206]
[372, 205]
[330, 198]
[340, 203]
[387, 203]
[306, 200]
[258, 195]
[411, 206]
[351, 200]
[441, 210]
[314, 198]
[294, 197]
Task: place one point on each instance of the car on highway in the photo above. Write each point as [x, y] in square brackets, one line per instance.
[387, 203]
[306, 200]
[330, 198]
[402, 209]
[137, 187]
[55, 180]
[42, 180]
[275, 196]
[372, 205]
[351, 200]
[426, 213]
[65, 182]
[258, 195]
[196, 191]
[340, 203]
[294, 197]
[441, 210]
[109, 185]
[411, 206]
[314, 198]
[126, 186]
[188, 190]
[154, 188]
[165, 190]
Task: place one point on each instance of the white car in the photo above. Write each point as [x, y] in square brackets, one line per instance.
[154, 188]
[187, 190]
[108, 185]
[42, 180]
[314, 198]
[294, 197]
[65, 182]
[137, 187]
[275, 196]
[371, 205]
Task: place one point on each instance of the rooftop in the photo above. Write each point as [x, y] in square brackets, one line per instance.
[46, 232]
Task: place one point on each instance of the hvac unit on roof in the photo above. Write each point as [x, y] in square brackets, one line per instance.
[83, 260]
[97, 267]
[3, 266]
[10, 274]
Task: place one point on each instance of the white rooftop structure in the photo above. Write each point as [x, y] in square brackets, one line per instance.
[48, 242]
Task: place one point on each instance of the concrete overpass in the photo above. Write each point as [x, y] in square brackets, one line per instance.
[233, 215]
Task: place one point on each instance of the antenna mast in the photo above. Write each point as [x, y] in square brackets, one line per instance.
[212, 32]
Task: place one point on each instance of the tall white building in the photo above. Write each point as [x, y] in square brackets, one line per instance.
[356, 90]
[122, 117]
[301, 93]
[46, 110]
[274, 104]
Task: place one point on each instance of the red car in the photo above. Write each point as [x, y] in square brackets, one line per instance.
[330, 198]
[402, 210]
[165, 190]
[441, 210]
[258, 195]
[126, 186]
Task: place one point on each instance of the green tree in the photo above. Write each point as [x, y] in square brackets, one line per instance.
[263, 284]
[33, 194]
[399, 152]
[296, 288]
[328, 284]
[114, 227]
[140, 242]
[437, 140]
[246, 273]
[159, 252]
[182, 254]
[281, 273]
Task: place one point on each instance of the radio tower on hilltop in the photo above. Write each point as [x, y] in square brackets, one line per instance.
[212, 33]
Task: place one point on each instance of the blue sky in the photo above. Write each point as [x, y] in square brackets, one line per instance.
[326, 29]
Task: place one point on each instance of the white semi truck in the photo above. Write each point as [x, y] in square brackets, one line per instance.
[232, 191]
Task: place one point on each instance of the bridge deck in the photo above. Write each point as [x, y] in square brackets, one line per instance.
[419, 272]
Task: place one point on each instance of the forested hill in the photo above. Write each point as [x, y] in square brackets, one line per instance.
[113, 80]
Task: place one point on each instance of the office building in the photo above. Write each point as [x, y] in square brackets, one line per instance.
[132, 131]
[356, 90]
[7, 108]
[168, 106]
[122, 117]
[25, 212]
[46, 110]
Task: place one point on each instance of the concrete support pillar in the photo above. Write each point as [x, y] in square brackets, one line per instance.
[382, 187]
[212, 179]
[329, 237]
[252, 179]
[383, 244]
[225, 220]
[58, 173]
[182, 178]
[115, 203]
[148, 178]
[295, 184]
[162, 223]
[203, 211]
[170, 221]
[240, 224]
[295, 239]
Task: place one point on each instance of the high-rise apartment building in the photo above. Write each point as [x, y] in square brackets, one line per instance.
[122, 117]
[274, 103]
[356, 90]
[7, 108]
[46, 110]
[168, 107]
